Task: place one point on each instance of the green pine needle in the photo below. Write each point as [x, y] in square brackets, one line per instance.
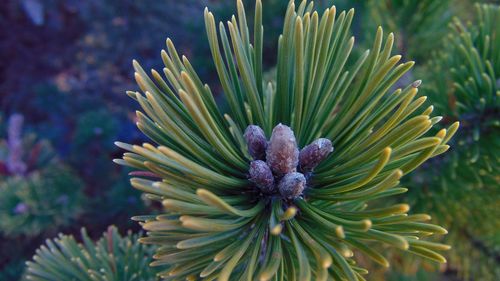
[217, 224]
[113, 257]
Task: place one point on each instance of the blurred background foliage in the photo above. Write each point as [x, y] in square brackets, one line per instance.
[67, 63]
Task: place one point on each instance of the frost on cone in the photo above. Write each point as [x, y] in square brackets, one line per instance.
[256, 142]
[261, 175]
[313, 154]
[276, 170]
[282, 153]
[292, 185]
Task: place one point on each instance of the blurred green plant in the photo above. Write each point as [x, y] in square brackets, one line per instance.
[40, 201]
[95, 125]
[463, 190]
[38, 193]
[112, 258]
[218, 222]
[93, 137]
[418, 25]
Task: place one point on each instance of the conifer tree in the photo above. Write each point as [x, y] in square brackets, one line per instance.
[112, 257]
[462, 189]
[292, 182]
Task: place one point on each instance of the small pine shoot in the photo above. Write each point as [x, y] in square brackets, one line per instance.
[111, 258]
[293, 182]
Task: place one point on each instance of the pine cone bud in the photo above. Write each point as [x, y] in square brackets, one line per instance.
[261, 175]
[256, 142]
[282, 153]
[292, 185]
[311, 155]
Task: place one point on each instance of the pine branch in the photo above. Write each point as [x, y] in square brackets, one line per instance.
[332, 140]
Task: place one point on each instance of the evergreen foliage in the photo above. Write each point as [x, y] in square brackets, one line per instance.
[463, 191]
[292, 165]
[36, 203]
[38, 192]
[111, 258]
[418, 25]
[218, 224]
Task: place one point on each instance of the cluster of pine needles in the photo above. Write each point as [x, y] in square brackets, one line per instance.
[217, 223]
